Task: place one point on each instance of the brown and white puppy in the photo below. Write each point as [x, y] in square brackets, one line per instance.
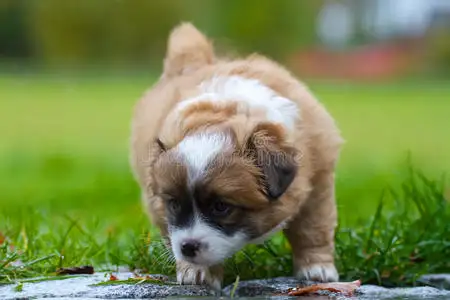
[227, 152]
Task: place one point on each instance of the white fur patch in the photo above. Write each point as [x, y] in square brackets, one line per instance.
[198, 150]
[216, 245]
[250, 94]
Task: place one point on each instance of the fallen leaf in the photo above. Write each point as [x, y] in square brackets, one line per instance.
[2, 238]
[150, 277]
[76, 270]
[345, 288]
[112, 277]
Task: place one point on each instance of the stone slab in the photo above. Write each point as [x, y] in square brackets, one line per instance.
[85, 288]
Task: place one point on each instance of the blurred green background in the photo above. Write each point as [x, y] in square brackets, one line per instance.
[71, 71]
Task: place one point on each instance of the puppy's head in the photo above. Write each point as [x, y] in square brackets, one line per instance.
[220, 193]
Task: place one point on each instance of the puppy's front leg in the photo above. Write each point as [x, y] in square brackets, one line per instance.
[311, 233]
[188, 273]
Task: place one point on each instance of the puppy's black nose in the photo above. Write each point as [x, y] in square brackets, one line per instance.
[189, 248]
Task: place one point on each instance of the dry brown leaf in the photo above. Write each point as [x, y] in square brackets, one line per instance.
[345, 288]
[112, 277]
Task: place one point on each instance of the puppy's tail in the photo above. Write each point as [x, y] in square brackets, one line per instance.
[187, 50]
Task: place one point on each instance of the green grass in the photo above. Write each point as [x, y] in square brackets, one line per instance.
[68, 197]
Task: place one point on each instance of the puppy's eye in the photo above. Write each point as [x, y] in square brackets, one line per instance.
[220, 209]
[173, 205]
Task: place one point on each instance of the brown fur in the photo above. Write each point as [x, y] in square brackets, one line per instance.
[314, 145]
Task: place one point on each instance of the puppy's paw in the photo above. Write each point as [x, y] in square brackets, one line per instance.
[189, 274]
[325, 272]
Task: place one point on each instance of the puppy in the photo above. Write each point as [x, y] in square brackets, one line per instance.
[227, 152]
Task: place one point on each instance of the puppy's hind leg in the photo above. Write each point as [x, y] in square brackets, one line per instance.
[311, 233]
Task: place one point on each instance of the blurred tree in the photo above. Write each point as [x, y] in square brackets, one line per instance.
[84, 31]
[438, 43]
[134, 32]
[14, 41]
[275, 28]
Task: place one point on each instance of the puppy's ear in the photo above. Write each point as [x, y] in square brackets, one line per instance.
[275, 160]
[187, 50]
